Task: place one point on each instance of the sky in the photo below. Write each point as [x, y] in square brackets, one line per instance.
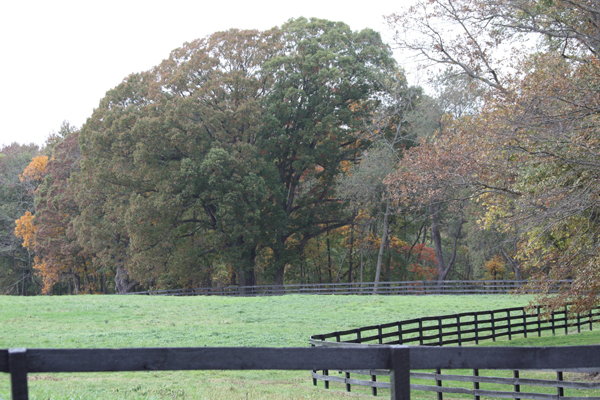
[60, 57]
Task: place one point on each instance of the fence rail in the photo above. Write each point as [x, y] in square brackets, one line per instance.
[468, 327]
[399, 360]
[456, 329]
[356, 288]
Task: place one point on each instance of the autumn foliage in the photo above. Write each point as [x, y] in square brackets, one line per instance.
[36, 169]
[25, 230]
[527, 152]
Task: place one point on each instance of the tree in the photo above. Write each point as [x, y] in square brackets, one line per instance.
[176, 147]
[59, 254]
[426, 179]
[391, 131]
[231, 147]
[363, 186]
[324, 94]
[16, 202]
[536, 130]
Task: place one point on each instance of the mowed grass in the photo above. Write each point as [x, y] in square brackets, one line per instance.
[161, 321]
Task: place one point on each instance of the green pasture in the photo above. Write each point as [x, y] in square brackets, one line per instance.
[161, 321]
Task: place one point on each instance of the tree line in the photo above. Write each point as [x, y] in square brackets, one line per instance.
[301, 154]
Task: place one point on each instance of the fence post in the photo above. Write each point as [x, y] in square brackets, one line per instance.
[509, 324]
[400, 373]
[561, 391]
[539, 322]
[314, 370]
[476, 384]
[524, 322]
[458, 330]
[17, 362]
[438, 383]
[476, 325]
[493, 322]
[400, 340]
[374, 389]
[348, 386]
[517, 386]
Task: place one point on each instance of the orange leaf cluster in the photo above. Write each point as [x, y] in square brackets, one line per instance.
[424, 268]
[49, 275]
[495, 268]
[423, 272]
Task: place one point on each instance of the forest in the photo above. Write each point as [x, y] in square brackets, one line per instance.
[302, 154]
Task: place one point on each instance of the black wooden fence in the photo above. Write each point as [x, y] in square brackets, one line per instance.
[398, 360]
[458, 329]
[357, 288]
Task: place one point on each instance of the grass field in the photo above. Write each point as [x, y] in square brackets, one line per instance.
[156, 321]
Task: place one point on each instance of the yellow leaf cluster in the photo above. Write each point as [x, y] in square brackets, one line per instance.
[36, 169]
[26, 230]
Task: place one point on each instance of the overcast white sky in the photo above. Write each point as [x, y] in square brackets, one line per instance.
[60, 57]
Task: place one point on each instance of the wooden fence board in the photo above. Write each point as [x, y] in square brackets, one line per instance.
[506, 381]
[341, 379]
[505, 357]
[456, 390]
[396, 358]
[203, 358]
[492, 393]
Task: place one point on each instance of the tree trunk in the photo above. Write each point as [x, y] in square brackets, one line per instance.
[246, 277]
[278, 277]
[103, 283]
[443, 269]
[329, 266]
[337, 276]
[76, 282]
[122, 282]
[351, 251]
[513, 263]
[247, 272]
[384, 236]
[24, 290]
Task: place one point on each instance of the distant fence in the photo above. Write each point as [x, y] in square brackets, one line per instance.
[459, 329]
[397, 360]
[357, 288]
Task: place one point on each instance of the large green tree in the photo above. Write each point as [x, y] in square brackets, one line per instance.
[322, 99]
[229, 149]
